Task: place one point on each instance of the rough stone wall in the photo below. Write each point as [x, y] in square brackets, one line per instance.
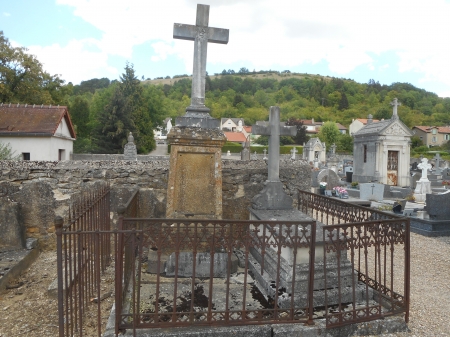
[43, 190]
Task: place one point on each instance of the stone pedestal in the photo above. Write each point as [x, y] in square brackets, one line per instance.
[265, 277]
[130, 150]
[195, 178]
[423, 187]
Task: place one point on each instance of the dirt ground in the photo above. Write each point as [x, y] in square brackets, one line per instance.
[27, 310]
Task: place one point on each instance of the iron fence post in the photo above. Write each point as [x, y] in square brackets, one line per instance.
[58, 221]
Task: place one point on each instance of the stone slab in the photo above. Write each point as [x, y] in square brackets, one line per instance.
[13, 263]
[202, 265]
[371, 191]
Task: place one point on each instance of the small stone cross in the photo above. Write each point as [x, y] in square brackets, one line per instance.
[424, 166]
[293, 152]
[265, 152]
[373, 186]
[333, 149]
[437, 157]
[274, 130]
[395, 103]
[254, 156]
[201, 34]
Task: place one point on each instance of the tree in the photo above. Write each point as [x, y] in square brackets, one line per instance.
[416, 142]
[329, 133]
[301, 136]
[345, 143]
[243, 70]
[6, 153]
[22, 79]
[79, 113]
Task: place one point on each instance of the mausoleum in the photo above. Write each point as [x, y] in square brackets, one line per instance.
[381, 151]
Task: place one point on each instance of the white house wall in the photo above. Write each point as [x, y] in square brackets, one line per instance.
[63, 130]
[40, 148]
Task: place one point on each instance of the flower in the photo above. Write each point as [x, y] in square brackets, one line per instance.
[339, 189]
[445, 182]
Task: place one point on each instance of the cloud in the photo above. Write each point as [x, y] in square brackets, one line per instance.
[6, 14]
[264, 33]
[77, 61]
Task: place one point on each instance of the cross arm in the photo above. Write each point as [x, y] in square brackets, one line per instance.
[218, 35]
[262, 130]
[184, 32]
[288, 131]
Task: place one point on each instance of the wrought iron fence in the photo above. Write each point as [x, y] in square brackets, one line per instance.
[376, 245]
[83, 253]
[195, 270]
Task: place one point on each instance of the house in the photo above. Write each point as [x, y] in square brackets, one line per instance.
[381, 151]
[37, 132]
[432, 135]
[236, 137]
[357, 124]
[313, 127]
[231, 124]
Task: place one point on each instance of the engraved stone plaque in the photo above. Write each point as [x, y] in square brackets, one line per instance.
[194, 184]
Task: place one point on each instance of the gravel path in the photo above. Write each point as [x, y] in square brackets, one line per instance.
[28, 311]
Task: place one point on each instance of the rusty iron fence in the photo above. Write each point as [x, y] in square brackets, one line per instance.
[163, 267]
[83, 253]
[377, 246]
[181, 292]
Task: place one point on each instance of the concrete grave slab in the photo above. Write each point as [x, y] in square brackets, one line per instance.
[371, 191]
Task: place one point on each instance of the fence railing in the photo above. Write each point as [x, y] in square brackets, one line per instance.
[377, 246]
[83, 253]
[195, 272]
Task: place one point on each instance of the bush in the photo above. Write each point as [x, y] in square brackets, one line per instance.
[232, 147]
[6, 153]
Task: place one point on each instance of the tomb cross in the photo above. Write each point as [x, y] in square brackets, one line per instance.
[265, 152]
[274, 130]
[424, 166]
[395, 103]
[373, 186]
[437, 157]
[201, 34]
[333, 149]
[293, 152]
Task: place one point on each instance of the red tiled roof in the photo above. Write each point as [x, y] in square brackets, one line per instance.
[235, 136]
[427, 129]
[39, 120]
[340, 126]
[248, 129]
[364, 120]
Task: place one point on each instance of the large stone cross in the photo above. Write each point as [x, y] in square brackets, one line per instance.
[273, 196]
[274, 130]
[201, 34]
[424, 166]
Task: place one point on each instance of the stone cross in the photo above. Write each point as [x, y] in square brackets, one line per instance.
[254, 156]
[424, 166]
[395, 103]
[201, 34]
[265, 152]
[437, 157]
[293, 152]
[274, 130]
[333, 149]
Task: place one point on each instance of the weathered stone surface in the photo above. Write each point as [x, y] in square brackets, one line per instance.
[195, 176]
[202, 264]
[11, 233]
[437, 206]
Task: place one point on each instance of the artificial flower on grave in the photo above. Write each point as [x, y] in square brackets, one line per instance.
[339, 190]
[322, 184]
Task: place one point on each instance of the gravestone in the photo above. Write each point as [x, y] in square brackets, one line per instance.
[245, 153]
[273, 196]
[195, 175]
[371, 191]
[293, 152]
[423, 185]
[12, 234]
[254, 156]
[437, 206]
[437, 167]
[130, 151]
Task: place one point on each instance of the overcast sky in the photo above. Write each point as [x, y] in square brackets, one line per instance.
[388, 41]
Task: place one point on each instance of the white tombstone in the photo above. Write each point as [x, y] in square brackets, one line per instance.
[423, 185]
[228, 153]
[293, 152]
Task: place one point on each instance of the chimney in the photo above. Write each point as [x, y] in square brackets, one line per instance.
[369, 119]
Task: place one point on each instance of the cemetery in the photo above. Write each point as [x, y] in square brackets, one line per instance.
[203, 245]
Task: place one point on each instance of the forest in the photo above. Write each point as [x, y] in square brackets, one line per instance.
[105, 111]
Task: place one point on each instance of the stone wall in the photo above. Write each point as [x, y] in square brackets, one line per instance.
[43, 190]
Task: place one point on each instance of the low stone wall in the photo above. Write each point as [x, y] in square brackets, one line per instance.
[44, 190]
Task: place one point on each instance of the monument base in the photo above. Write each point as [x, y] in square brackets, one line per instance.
[423, 187]
[195, 178]
[198, 118]
[272, 197]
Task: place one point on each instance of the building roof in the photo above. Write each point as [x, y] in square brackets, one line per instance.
[427, 129]
[235, 120]
[33, 120]
[235, 137]
[340, 126]
[364, 120]
[248, 129]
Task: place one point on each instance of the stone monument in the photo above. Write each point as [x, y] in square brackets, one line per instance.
[423, 185]
[195, 176]
[130, 151]
[437, 169]
[245, 153]
[293, 152]
[273, 195]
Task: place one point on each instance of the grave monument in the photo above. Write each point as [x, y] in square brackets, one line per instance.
[195, 176]
[130, 151]
[273, 204]
[423, 185]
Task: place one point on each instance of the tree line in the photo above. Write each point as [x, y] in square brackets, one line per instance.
[105, 111]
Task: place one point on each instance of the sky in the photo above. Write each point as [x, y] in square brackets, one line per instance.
[386, 40]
